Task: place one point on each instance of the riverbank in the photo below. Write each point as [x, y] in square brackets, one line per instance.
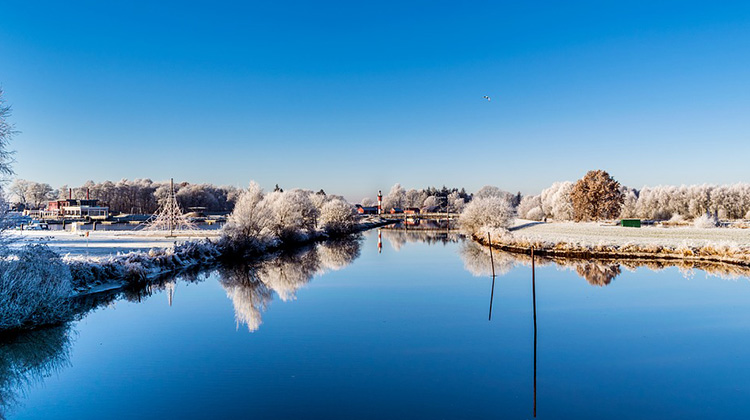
[43, 284]
[96, 274]
[594, 240]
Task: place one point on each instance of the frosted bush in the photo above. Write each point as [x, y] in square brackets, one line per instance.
[35, 285]
[535, 214]
[337, 216]
[706, 221]
[484, 214]
[676, 218]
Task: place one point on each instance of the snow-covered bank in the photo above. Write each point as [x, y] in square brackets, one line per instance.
[592, 240]
[108, 243]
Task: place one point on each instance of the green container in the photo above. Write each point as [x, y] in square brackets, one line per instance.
[631, 223]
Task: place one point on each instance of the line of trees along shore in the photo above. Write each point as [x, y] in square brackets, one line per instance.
[128, 196]
[664, 202]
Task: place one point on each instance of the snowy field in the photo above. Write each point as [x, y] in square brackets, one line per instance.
[103, 243]
[596, 234]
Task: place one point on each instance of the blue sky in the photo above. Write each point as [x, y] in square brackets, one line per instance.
[355, 96]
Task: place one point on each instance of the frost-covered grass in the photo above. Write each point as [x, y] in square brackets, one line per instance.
[720, 244]
[104, 243]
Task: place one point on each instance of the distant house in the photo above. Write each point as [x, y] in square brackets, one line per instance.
[75, 209]
[367, 210]
[396, 210]
[411, 210]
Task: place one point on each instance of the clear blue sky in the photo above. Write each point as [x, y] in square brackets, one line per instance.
[355, 96]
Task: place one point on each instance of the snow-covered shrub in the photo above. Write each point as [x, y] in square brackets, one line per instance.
[528, 203]
[706, 221]
[484, 214]
[337, 216]
[676, 218]
[35, 285]
[535, 214]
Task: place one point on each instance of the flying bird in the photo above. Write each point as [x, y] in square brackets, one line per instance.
[487, 98]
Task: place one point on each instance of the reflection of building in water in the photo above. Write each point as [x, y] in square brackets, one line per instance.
[28, 358]
[251, 286]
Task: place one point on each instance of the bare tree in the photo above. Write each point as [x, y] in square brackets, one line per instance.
[7, 130]
[596, 196]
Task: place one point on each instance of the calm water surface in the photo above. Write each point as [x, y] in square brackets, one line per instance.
[346, 331]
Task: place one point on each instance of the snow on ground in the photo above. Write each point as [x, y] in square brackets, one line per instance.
[103, 243]
[598, 234]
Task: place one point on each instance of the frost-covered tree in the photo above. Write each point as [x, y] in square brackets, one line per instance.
[396, 198]
[492, 191]
[7, 130]
[244, 224]
[556, 201]
[288, 215]
[367, 202]
[596, 196]
[487, 214]
[630, 203]
[530, 207]
[456, 203]
[337, 216]
[431, 203]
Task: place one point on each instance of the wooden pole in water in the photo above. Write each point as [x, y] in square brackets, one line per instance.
[533, 294]
[492, 296]
[492, 261]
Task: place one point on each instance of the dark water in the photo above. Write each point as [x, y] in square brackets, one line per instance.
[343, 331]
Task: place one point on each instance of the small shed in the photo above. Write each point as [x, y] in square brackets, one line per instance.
[631, 223]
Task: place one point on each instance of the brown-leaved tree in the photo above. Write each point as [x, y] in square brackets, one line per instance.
[596, 196]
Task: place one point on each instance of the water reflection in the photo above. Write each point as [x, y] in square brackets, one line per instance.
[27, 358]
[397, 238]
[250, 286]
[476, 260]
[597, 272]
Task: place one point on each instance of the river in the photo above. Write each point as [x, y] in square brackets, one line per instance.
[358, 331]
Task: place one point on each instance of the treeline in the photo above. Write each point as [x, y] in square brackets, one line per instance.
[728, 202]
[427, 199]
[128, 196]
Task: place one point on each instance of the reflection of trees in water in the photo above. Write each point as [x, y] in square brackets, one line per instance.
[27, 359]
[597, 272]
[250, 286]
[337, 254]
[398, 238]
[476, 260]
